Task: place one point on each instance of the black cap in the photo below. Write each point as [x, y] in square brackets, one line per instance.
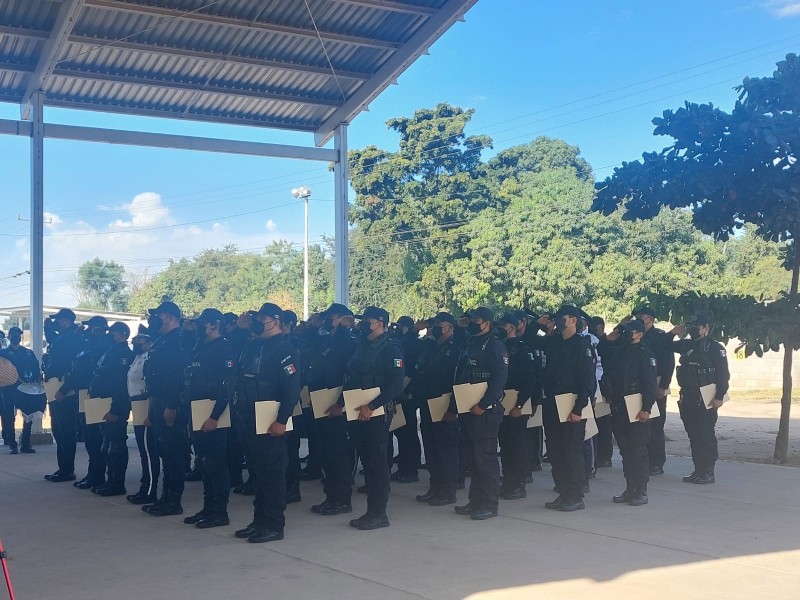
[634, 325]
[508, 319]
[445, 317]
[120, 327]
[230, 317]
[211, 315]
[645, 310]
[14, 330]
[64, 313]
[568, 310]
[268, 309]
[167, 307]
[405, 321]
[483, 313]
[700, 319]
[373, 312]
[595, 321]
[96, 321]
[526, 313]
[289, 317]
[338, 309]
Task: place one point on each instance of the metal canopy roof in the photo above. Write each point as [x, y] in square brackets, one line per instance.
[303, 65]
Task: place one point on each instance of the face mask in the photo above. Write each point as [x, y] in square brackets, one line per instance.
[98, 331]
[626, 337]
[154, 323]
[501, 332]
[257, 328]
[15, 340]
[436, 332]
[328, 324]
[694, 333]
[138, 349]
[474, 328]
[561, 325]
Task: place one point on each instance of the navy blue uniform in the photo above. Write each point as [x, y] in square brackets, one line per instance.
[409, 449]
[27, 365]
[661, 345]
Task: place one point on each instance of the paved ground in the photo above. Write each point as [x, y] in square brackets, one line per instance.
[737, 539]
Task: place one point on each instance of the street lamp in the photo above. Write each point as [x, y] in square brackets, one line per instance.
[304, 194]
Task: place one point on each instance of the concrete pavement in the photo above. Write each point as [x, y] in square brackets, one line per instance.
[739, 538]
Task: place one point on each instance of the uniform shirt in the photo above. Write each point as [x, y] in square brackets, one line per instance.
[521, 371]
[594, 342]
[211, 374]
[702, 363]
[164, 370]
[660, 344]
[25, 361]
[485, 359]
[267, 370]
[79, 375]
[62, 348]
[377, 363]
[631, 369]
[110, 378]
[327, 368]
[435, 371]
[569, 369]
[137, 389]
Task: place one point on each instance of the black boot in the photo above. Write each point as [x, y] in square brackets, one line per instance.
[293, 492]
[639, 496]
[696, 472]
[195, 474]
[624, 497]
[217, 516]
[706, 477]
[199, 516]
[172, 506]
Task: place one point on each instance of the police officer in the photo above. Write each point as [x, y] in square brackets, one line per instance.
[433, 377]
[605, 441]
[79, 378]
[569, 370]
[703, 362]
[529, 330]
[164, 376]
[293, 469]
[513, 430]
[409, 449]
[377, 362]
[65, 341]
[211, 376]
[27, 365]
[110, 380]
[326, 371]
[315, 338]
[631, 368]
[660, 344]
[268, 370]
[145, 437]
[485, 359]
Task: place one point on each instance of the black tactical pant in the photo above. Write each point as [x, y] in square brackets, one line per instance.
[632, 440]
[565, 451]
[699, 423]
[656, 448]
[441, 441]
[479, 441]
[513, 451]
[371, 439]
[605, 441]
[148, 456]
[313, 429]
[93, 442]
[211, 449]
[409, 449]
[115, 451]
[293, 467]
[64, 423]
[269, 458]
[172, 444]
[534, 444]
[336, 462]
[8, 414]
[235, 457]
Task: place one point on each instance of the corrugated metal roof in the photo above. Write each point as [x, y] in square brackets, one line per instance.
[254, 62]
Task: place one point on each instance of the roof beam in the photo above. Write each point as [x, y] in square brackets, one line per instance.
[65, 20]
[416, 46]
[211, 19]
[391, 5]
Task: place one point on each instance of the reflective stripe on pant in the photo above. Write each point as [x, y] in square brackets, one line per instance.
[148, 456]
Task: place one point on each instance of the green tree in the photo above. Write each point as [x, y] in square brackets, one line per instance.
[100, 285]
[729, 169]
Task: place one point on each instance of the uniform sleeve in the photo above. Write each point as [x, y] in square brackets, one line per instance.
[527, 380]
[584, 371]
[225, 365]
[498, 367]
[666, 361]
[176, 360]
[719, 358]
[288, 385]
[120, 401]
[647, 381]
[392, 373]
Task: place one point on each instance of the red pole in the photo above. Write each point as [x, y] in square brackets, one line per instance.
[5, 571]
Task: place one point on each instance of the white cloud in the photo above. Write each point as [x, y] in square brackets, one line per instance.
[146, 210]
[51, 219]
[271, 225]
[783, 9]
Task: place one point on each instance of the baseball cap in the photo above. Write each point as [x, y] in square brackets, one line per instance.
[569, 310]
[64, 313]
[268, 309]
[120, 327]
[169, 308]
[508, 319]
[645, 310]
[700, 319]
[230, 317]
[373, 312]
[96, 321]
[210, 315]
[483, 313]
[338, 309]
[14, 330]
[405, 321]
[634, 325]
[289, 318]
[445, 317]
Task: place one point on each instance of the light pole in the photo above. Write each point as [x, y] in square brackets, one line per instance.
[304, 194]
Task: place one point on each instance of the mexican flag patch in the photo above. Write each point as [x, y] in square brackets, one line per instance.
[229, 364]
[290, 369]
[398, 362]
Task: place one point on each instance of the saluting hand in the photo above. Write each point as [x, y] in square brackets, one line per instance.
[276, 429]
[169, 416]
[365, 413]
[210, 425]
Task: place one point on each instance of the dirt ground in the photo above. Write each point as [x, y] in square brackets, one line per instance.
[746, 430]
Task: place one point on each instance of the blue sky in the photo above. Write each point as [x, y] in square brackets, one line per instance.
[592, 73]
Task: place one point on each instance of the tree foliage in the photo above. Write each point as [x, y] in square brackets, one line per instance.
[101, 285]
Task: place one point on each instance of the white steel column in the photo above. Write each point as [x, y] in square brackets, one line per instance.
[341, 216]
[305, 262]
[37, 222]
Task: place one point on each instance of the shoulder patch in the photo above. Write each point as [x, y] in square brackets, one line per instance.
[530, 355]
[290, 369]
[722, 352]
[505, 360]
[124, 362]
[398, 363]
[589, 352]
[653, 362]
[228, 364]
